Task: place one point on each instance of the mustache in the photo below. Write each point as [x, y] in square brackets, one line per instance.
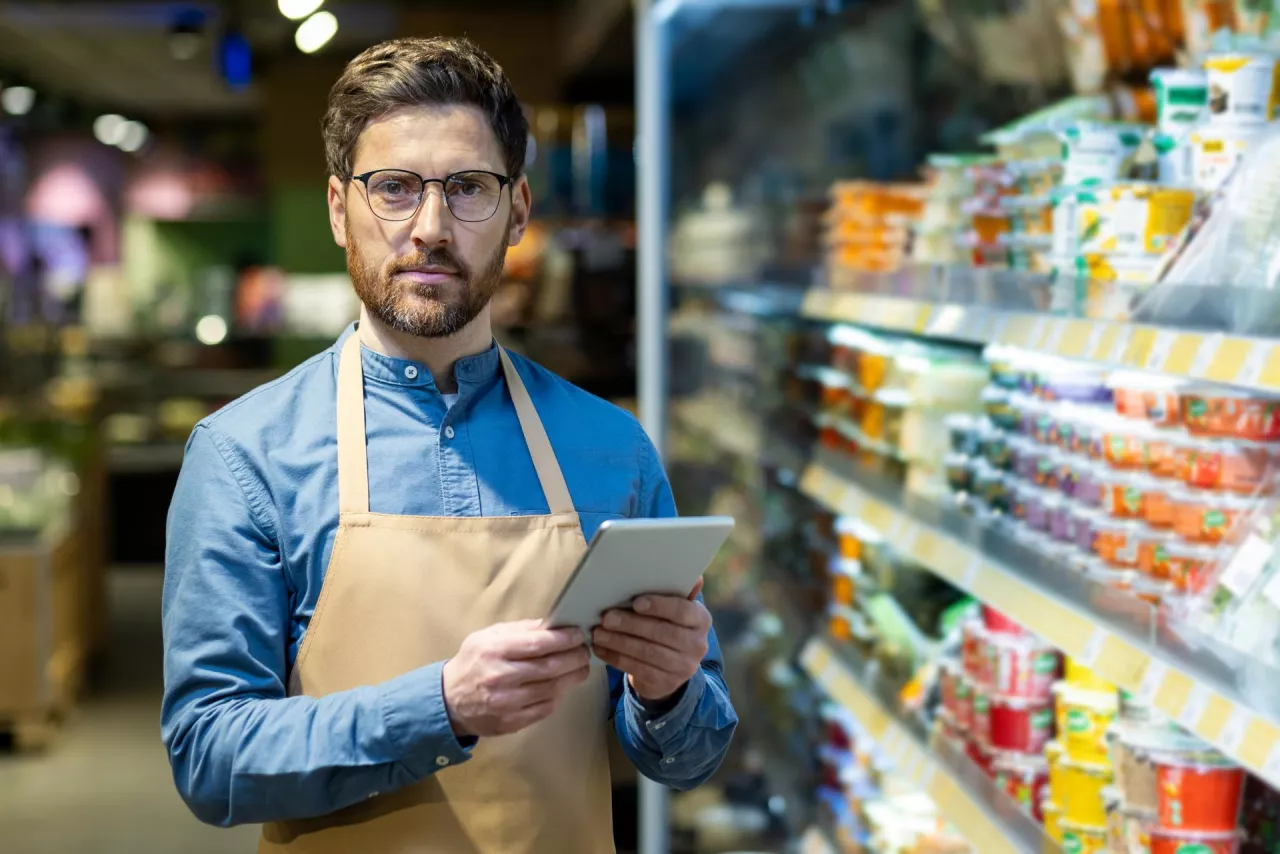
[435, 258]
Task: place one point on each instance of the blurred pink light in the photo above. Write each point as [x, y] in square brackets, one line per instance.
[160, 194]
[66, 195]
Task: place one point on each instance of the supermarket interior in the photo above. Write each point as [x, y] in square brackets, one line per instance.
[966, 311]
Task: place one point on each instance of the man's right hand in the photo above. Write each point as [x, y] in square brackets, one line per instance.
[511, 675]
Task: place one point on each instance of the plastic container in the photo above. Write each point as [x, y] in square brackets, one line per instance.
[1081, 792]
[1217, 151]
[1037, 518]
[1153, 552]
[1083, 718]
[1062, 526]
[979, 753]
[1237, 465]
[1122, 493]
[1051, 815]
[1198, 792]
[1133, 748]
[962, 716]
[1124, 442]
[850, 544]
[1089, 480]
[990, 485]
[1242, 88]
[1084, 527]
[1171, 842]
[1026, 456]
[1081, 678]
[1192, 566]
[980, 717]
[959, 472]
[1201, 516]
[1182, 99]
[1229, 414]
[1020, 725]
[1023, 778]
[1128, 828]
[1116, 540]
[973, 653]
[996, 450]
[997, 624]
[964, 433]
[1082, 839]
[1162, 450]
[999, 409]
[1097, 152]
[1146, 397]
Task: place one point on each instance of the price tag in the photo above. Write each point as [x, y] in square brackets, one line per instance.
[1093, 647]
[1053, 339]
[1204, 356]
[926, 774]
[1118, 349]
[1160, 349]
[1193, 708]
[1095, 340]
[1152, 679]
[1255, 363]
[1038, 330]
[971, 570]
[1233, 731]
[1271, 768]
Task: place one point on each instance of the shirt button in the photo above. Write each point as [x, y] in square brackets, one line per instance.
[411, 373]
[373, 795]
[448, 433]
[442, 761]
[659, 725]
[670, 760]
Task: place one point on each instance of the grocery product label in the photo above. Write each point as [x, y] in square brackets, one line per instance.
[1193, 708]
[1045, 663]
[1192, 848]
[1246, 565]
[1078, 722]
[1233, 731]
[1242, 88]
[1152, 679]
[1042, 719]
[1072, 843]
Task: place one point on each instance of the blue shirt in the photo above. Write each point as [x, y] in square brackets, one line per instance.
[250, 530]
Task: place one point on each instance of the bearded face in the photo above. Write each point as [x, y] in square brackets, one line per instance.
[429, 294]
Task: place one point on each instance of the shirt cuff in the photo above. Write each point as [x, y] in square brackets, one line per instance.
[664, 728]
[417, 721]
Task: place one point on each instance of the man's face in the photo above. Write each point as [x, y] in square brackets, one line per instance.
[432, 274]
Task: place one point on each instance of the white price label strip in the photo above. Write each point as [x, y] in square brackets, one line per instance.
[971, 569]
[1160, 349]
[1152, 679]
[1093, 647]
[1233, 731]
[1271, 769]
[1053, 338]
[1095, 339]
[1204, 356]
[1193, 708]
[1250, 373]
[1116, 356]
[1038, 330]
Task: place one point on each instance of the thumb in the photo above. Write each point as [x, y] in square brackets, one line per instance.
[697, 588]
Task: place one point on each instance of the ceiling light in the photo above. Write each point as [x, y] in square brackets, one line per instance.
[296, 10]
[18, 100]
[109, 129]
[315, 32]
[211, 330]
[133, 135]
[184, 46]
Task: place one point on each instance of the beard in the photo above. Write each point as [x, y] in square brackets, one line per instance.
[426, 311]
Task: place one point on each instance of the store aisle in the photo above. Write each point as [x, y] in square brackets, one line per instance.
[105, 786]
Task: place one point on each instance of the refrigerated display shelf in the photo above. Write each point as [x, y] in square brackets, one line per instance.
[1245, 361]
[990, 821]
[1104, 629]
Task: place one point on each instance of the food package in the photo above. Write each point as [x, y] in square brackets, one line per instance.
[1099, 153]
[1182, 98]
[1243, 88]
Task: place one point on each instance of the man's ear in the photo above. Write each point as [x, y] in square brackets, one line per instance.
[338, 211]
[521, 208]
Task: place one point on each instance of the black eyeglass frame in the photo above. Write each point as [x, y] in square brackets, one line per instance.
[503, 181]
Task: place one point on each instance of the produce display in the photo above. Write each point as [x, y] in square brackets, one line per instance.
[868, 225]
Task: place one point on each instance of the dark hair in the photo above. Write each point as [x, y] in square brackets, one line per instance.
[418, 72]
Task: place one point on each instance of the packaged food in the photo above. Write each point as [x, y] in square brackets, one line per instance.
[1145, 218]
[1116, 540]
[1254, 17]
[997, 624]
[1157, 508]
[1201, 516]
[1198, 791]
[1025, 455]
[1080, 677]
[996, 403]
[1191, 566]
[1202, 19]
[1175, 842]
[1162, 449]
[1083, 719]
[1215, 153]
[1098, 153]
[990, 485]
[1022, 667]
[1018, 724]
[1051, 815]
[973, 652]
[1024, 778]
[1133, 749]
[979, 752]
[965, 434]
[1122, 493]
[1146, 397]
[1128, 828]
[1062, 524]
[1090, 477]
[1182, 98]
[1066, 380]
[1231, 414]
[1082, 838]
[1243, 88]
[1034, 500]
[1081, 793]
[1153, 553]
[959, 473]
[980, 717]
[848, 535]
[1124, 443]
[1084, 527]
[963, 712]
[1235, 465]
[995, 448]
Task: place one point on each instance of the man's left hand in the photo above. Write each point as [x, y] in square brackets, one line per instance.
[659, 643]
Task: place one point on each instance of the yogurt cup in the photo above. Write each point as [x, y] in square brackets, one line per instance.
[1083, 718]
[1197, 791]
[1243, 88]
[1097, 152]
[1182, 98]
[1215, 153]
[1172, 842]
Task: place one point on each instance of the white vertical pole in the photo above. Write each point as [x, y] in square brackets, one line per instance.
[652, 170]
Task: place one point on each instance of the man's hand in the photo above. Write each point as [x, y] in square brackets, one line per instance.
[659, 643]
[511, 675]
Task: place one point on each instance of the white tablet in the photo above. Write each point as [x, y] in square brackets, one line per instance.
[630, 557]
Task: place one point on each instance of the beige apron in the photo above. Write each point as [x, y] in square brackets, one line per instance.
[401, 592]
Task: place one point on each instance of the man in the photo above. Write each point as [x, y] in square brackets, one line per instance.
[358, 552]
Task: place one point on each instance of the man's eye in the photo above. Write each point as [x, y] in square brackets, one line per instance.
[469, 188]
[391, 188]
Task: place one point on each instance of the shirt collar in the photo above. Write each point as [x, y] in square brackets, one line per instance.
[469, 371]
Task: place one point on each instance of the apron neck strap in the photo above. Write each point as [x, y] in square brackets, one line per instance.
[353, 457]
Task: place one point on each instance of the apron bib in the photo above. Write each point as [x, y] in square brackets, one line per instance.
[401, 592]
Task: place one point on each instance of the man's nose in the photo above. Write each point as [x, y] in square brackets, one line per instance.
[433, 224]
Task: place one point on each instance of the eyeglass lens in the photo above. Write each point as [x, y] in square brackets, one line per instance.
[471, 196]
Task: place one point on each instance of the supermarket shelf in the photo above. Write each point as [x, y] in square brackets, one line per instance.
[737, 431]
[990, 821]
[155, 458]
[1117, 635]
[1212, 356]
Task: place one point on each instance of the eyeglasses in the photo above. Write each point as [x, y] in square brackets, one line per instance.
[396, 194]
